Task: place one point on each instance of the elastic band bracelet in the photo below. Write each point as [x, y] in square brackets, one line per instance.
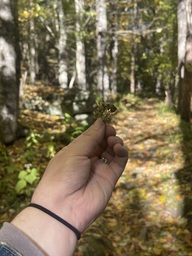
[64, 222]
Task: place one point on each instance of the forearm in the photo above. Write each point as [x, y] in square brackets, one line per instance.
[50, 236]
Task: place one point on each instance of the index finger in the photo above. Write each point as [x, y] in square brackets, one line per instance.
[93, 141]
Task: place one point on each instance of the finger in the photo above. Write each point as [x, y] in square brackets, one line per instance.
[112, 140]
[108, 174]
[110, 132]
[120, 159]
[93, 141]
[109, 152]
[90, 140]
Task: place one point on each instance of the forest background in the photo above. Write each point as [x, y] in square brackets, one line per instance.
[58, 58]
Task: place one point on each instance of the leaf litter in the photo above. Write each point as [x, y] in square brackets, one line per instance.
[150, 212]
[146, 214]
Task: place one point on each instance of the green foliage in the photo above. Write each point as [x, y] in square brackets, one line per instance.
[3, 155]
[129, 101]
[51, 149]
[7, 182]
[78, 130]
[8, 175]
[68, 118]
[26, 177]
[32, 142]
[30, 154]
[155, 42]
[74, 129]
[155, 38]
[32, 139]
[164, 108]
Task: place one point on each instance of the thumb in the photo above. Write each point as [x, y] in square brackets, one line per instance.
[88, 141]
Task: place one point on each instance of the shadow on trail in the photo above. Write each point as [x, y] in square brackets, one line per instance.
[184, 175]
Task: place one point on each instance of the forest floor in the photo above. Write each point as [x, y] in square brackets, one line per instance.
[150, 212]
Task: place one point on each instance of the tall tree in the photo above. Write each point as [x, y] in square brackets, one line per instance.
[101, 29]
[133, 49]
[113, 45]
[80, 46]
[32, 44]
[185, 58]
[9, 70]
[63, 74]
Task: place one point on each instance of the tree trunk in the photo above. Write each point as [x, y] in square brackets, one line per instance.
[113, 46]
[132, 74]
[101, 29]
[185, 59]
[9, 70]
[133, 50]
[32, 45]
[63, 75]
[182, 31]
[80, 47]
[186, 97]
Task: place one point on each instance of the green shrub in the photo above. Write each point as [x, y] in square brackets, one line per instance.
[29, 176]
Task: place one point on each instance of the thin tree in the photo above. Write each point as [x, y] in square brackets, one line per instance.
[9, 70]
[133, 50]
[80, 46]
[32, 45]
[63, 74]
[101, 33]
[113, 46]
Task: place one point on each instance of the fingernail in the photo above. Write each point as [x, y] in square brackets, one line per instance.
[98, 124]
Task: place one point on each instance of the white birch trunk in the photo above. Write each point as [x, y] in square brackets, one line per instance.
[133, 51]
[80, 47]
[101, 29]
[32, 46]
[182, 31]
[63, 74]
[185, 59]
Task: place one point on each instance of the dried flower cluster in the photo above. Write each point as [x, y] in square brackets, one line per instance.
[104, 110]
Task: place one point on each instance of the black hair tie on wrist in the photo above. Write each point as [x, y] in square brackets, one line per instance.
[64, 222]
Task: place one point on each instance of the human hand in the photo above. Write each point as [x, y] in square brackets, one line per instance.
[77, 184]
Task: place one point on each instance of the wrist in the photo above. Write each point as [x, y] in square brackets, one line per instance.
[56, 217]
[70, 213]
[49, 235]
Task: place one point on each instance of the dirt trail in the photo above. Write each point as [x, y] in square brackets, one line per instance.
[144, 216]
